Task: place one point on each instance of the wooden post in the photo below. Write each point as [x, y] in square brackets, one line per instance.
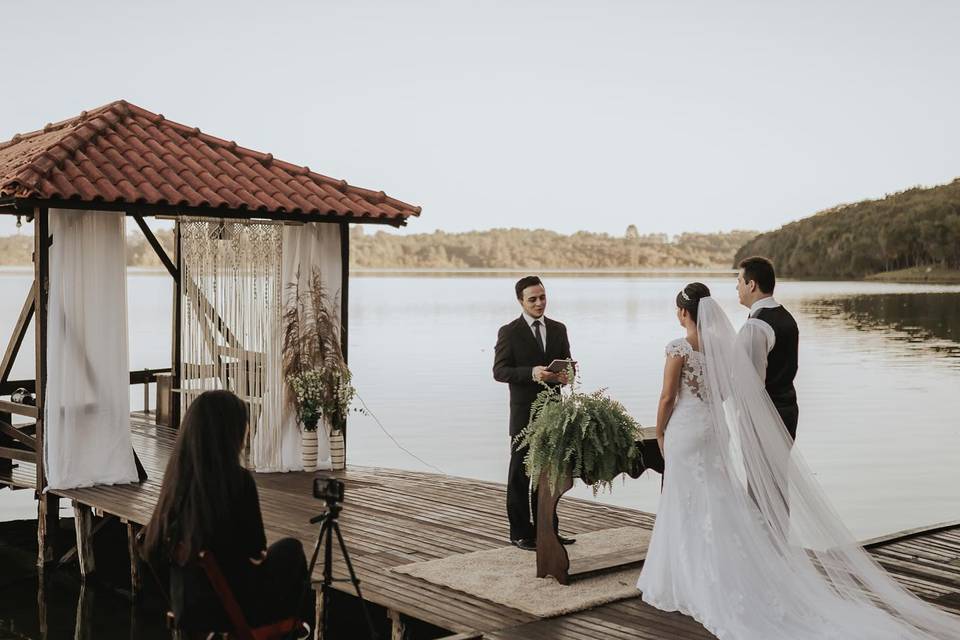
[344, 304]
[398, 630]
[83, 519]
[176, 380]
[318, 614]
[136, 580]
[6, 464]
[83, 629]
[41, 606]
[48, 505]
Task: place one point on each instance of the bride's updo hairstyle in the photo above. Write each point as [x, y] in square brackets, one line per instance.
[689, 297]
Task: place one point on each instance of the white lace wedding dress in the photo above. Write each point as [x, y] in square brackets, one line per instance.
[751, 564]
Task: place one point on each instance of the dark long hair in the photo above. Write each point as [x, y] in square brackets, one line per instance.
[202, 478]
[689, 297]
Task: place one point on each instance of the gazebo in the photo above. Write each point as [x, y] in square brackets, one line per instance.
[245, 224]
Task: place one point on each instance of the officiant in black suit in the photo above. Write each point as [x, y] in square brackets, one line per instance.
[525, 347]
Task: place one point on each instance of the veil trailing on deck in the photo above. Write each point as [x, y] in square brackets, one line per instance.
[821, 571]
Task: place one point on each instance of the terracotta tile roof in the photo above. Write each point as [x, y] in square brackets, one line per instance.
[123, 154]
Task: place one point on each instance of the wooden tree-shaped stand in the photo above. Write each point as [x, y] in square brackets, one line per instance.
[552, 558]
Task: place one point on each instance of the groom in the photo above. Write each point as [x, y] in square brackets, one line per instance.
[524, 348]
[770, 337]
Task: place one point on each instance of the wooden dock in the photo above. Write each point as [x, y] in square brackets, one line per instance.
[393, 517]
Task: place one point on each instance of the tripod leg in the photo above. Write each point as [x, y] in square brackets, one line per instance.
[354, 580]
[324, 525]
[327, 584]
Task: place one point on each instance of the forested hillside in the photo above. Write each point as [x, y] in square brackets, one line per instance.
[914, 228]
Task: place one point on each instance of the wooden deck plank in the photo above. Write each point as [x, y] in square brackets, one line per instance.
[393, 517]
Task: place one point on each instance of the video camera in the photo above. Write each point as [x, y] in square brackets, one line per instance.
[328, 489]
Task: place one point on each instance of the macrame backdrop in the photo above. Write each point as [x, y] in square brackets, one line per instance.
[231, 291]
[236, 276]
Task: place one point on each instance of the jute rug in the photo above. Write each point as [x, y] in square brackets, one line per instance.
[508, 575]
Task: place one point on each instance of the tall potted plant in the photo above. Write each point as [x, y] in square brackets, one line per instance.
[318, 380]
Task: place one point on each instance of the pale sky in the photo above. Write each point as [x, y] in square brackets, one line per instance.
[674, 116]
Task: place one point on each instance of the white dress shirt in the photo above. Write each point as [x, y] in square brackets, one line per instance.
[757, 337]
[543, 327]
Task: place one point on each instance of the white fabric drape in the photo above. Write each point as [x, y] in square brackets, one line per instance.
[87, 410]
[305, 248]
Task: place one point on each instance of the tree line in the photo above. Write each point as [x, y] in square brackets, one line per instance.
[914, 228]
[492, 249]
[539, 248]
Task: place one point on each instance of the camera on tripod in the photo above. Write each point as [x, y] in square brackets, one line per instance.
[329, 489]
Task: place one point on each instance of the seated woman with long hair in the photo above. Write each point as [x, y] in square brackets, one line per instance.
[209, 503]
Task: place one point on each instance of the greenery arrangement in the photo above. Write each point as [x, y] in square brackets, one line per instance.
[318, 380]
[590, 434]
[914, 228]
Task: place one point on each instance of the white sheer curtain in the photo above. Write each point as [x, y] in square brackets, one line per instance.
[305, 248]
[87, 411]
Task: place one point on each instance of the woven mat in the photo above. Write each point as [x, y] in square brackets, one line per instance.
[508, 575]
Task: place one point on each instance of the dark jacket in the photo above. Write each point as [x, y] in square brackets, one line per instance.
[515, 356]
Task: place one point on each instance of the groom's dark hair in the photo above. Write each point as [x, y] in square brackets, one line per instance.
[760, 270]
[523, 283]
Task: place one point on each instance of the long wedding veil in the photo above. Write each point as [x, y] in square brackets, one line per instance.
[816, 561]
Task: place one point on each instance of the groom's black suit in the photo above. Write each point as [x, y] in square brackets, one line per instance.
[516, 354]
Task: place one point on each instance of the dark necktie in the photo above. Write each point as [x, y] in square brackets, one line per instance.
[536, 332]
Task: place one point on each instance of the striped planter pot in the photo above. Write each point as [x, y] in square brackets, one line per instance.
[309, 450]
[338, 452]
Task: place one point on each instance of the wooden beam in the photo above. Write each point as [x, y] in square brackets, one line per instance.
[13, 432]
[19, 331]
[175, 371]
[136, 377]
[157, 247]
[136, 576]
[84, 625]
[344, 305]
[398, 630]
[6, 464]
[318, 614]
[207, 212]
[344, 287]
[83, 523]
[23, 455]
[19, 409]
[69, 555]
[48, 505]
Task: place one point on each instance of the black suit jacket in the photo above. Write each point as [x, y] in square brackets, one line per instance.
[514, 358]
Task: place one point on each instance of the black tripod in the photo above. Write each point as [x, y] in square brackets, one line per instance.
[328, 527]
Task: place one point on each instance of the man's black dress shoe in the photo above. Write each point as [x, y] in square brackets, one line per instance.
[526, 544]
[565, 540]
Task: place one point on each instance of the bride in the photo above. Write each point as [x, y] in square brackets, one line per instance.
[745, 540]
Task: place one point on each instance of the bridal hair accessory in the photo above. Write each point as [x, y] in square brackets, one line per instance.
[685, 296]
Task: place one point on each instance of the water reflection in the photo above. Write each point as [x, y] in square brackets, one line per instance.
[921, 321]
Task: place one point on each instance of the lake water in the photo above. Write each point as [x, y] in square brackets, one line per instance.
[878, 382]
